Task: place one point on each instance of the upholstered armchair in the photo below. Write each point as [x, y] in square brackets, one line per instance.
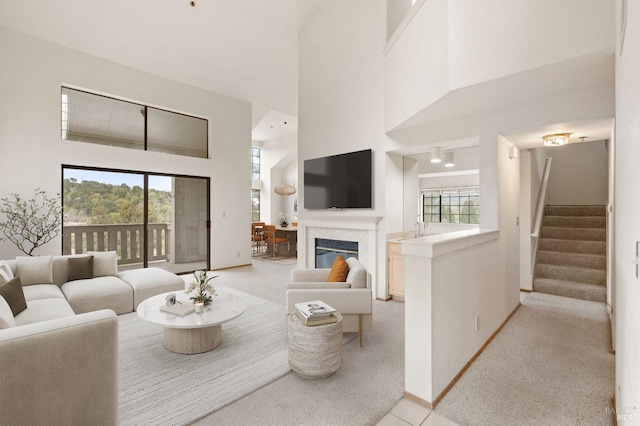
[352, 298]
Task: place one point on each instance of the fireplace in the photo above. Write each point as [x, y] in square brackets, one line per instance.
[326, 250]
[357, 229]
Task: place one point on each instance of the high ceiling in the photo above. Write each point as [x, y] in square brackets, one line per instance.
[246, 49]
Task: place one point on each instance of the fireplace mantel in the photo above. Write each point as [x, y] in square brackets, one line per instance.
[368, 223]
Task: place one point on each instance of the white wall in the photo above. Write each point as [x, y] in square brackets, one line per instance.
[442, 298]
[527, 205]
[410, 191]
[277, 161]
[486, 38]
[450, 181]
[32, 152]
[341, 101]
[627, 212]
[417, 66]
[579, 173]
[396, 11]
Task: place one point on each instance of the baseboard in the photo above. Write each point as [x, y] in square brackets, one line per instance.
[411, 397]
[384, 299]
[442, 394]
[232, 267]
[524, 290]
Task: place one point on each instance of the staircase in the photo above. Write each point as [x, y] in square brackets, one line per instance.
[571, 259]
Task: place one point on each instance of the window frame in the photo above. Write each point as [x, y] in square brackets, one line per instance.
[441, 208]
[64, 120]
[145, 227]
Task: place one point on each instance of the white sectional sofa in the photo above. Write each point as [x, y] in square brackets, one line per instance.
[60, 354]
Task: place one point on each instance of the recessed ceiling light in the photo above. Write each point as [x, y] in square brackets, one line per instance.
[436, 156]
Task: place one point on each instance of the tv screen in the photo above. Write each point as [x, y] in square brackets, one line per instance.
[338, 181]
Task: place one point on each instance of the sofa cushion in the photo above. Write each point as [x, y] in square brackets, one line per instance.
[80, 268]
[42, 291]
[12, 293]
[35, 269]
[357, 274]
[99, 293]
[6, 316]
[105, 263]
[44, 310]
[147, 282]
[6, 273]
[339, 270]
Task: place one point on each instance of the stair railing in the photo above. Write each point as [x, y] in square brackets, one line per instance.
[539, 212]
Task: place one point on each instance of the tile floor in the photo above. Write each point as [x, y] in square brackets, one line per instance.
[407, 412]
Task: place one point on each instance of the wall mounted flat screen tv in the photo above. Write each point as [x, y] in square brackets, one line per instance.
[341, 181]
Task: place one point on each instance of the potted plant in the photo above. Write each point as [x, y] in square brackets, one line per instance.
[30, 223]
[202, 291]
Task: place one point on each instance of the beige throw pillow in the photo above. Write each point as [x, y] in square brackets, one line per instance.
[105, 263]
[34, 269]
[6, 273]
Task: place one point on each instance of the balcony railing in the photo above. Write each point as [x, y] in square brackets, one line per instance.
[126, 239]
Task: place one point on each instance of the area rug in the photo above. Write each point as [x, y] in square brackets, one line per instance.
[158, 387]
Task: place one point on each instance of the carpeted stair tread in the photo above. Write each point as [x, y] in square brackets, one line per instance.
[575, 210]
[571, 273]
[584, 260]
[577, 290]
[573, 246]
[580, 234]
[575, 221]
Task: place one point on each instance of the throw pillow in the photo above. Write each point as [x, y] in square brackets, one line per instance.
[6, 316]
[80, 268]
[339, 270]
[34, 269]
[5, 272]
[13, 294]
[105, 263]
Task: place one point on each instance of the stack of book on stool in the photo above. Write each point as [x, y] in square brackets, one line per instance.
[316, 312]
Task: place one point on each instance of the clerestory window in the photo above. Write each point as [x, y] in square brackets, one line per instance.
[99, 119]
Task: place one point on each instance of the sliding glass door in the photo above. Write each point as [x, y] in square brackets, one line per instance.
[149, 219]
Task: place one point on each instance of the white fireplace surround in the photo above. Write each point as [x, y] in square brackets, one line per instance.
[363, 230]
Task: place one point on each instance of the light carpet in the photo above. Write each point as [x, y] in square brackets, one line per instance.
[160, 387]
[550, 365]
[278, 260]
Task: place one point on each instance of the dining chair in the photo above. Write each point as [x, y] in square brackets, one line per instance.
[272, 240]
[257, 237]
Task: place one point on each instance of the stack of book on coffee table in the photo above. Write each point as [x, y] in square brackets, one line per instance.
[316, 312]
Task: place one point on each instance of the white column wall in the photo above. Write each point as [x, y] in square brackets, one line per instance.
[31, 74]
[417, 66]
[341, 102]
[627, 212]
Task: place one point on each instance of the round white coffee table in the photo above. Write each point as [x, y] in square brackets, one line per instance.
[193, 333]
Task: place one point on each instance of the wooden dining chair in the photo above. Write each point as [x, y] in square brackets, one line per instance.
[272, 241]
[257, 236]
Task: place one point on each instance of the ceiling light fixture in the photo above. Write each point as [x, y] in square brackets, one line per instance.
[556, 139]
[436, 156]
[285, 189]
[448, 159]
